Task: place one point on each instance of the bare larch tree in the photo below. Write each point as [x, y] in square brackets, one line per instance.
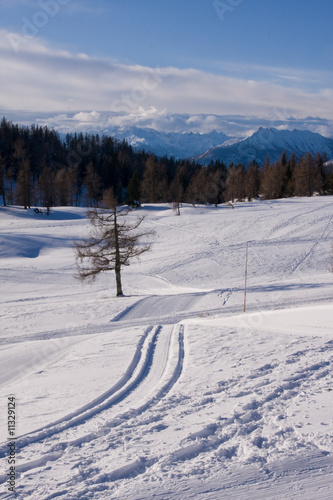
[112, 244]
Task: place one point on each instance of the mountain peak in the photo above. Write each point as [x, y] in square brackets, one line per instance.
[272, 142]
[177, 144]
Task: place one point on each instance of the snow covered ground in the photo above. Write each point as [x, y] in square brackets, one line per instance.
[171, 392]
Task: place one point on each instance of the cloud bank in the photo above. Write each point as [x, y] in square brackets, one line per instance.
[37, 77]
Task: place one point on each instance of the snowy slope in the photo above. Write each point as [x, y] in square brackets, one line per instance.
[172, 391]
[179, 145]
[272, 142]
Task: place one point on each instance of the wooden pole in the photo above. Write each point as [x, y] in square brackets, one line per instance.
[246, 260]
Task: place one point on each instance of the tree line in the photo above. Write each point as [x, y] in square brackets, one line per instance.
[39, 168]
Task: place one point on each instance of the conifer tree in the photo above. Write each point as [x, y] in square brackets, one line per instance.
[133, 191]
[45, 187]
[93, 184]
[24, 179]
[304, 176]
[63, 188]
[2, 180]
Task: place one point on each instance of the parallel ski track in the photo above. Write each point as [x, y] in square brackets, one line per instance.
[221, 432]
[111, 397]
[107, 400]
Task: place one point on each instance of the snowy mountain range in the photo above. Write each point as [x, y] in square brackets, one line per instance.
[271, 142]
[198, 137]
[218, 146]
[179, 145]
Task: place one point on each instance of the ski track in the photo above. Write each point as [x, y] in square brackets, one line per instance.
[172, 317]
[226, 436]
[109, 397]
[290, 221]
[233, 255]
[162, 377]
[137, 404]
[324, 236]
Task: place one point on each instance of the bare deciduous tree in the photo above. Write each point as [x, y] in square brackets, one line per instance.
[112, 244]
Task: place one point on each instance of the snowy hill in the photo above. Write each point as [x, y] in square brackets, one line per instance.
[272, 142]
[172, 391]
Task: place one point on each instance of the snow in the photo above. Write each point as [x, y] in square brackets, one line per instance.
[172, 391]
[179, 145]
[100, 122]
[272, 142]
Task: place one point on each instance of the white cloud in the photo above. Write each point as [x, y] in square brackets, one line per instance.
[39, 78]
[304, 77]
[106, 122]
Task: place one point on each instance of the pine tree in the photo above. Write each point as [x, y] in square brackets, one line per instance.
[304, 176]
[216, 178]
[319, 173]
[177, 190]
[24, 178]
[196, 192]
[328, 183]
[288, 185]
[45, 187]
[2, 180]
[133, 196]
[63, 188]
[93, 184]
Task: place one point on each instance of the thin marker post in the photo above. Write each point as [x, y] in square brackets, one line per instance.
[246, 259]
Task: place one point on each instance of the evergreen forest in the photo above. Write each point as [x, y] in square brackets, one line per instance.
[38, 168]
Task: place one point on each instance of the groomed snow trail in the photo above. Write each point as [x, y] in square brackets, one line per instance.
[154, 370]
[172, 392]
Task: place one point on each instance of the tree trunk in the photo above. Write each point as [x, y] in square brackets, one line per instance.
[2, 182]
[118, 281]
[117, 264]
[3, 196]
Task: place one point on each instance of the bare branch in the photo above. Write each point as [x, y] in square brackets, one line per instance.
[111, 244]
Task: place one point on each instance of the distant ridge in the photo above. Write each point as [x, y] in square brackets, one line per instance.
[271, 142]
[179, 145]
[198, 137]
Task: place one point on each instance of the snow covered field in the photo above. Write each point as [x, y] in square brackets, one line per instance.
[171, 392]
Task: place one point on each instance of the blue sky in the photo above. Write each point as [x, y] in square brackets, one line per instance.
[251, 57]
